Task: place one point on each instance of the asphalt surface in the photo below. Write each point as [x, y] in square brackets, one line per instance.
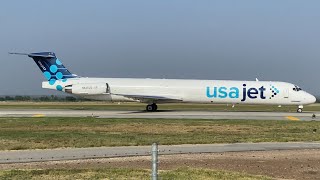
[306, 116]
[21, 156]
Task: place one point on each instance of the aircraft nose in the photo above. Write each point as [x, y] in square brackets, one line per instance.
[311, 98]
[314, 99]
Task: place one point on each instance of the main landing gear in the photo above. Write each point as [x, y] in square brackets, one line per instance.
[299, 110]
[152, 107]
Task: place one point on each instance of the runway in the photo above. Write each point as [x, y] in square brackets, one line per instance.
[306, 116]
[22, 156]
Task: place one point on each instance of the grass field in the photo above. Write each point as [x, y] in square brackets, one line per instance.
[141, 106]
[125, 174]
[50, 132]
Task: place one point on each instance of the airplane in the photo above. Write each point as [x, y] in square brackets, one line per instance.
[157, 91]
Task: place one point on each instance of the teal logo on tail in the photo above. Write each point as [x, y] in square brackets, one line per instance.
[51, 67]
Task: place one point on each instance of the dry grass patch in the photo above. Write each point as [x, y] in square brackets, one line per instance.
[184, 173]
[50, 132]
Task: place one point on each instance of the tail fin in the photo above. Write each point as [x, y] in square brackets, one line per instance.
[50, 65]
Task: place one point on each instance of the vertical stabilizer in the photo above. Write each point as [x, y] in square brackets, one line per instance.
[50, 65]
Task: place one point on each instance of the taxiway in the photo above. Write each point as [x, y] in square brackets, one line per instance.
[22, 156]
[306, 116]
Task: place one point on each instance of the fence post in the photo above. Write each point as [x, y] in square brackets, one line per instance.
[154, 155]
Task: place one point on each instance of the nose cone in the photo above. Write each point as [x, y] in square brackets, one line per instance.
[310, 99]
[313, 99]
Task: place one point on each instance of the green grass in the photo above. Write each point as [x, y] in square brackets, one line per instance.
[183, 174]
[54, 132]
[141, 106]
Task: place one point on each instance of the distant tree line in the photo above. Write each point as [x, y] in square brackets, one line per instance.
[51, 98]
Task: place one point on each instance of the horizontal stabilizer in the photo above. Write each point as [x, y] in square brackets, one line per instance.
[42, 54]
[18, 53]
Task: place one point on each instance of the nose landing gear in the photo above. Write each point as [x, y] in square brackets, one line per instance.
[300, 107]
[152, 107]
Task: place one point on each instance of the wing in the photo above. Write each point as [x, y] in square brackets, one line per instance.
[151, 98]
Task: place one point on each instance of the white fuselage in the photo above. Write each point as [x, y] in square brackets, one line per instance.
[190, 91]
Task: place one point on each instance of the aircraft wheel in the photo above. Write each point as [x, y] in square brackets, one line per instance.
[149, 108]
[155, 107]
[299, 110]
[152, 107]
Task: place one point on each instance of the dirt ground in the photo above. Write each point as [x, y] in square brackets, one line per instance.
[284, 164]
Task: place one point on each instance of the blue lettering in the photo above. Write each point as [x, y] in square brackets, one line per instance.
[234, 92]
[214, 94]
[222, 92]
[262, 89]
[244, 92]
[252, 93]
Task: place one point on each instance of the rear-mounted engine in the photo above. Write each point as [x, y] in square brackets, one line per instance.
[90, 89]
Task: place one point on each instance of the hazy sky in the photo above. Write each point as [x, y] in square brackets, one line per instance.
[239, 40]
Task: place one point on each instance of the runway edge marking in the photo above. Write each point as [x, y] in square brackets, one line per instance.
[292, 118]
[38, 115]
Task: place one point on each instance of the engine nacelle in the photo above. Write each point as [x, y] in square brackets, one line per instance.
[88, 89]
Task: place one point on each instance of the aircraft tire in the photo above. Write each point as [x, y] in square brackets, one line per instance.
[155, 107]
[149, 108]
[299, 110]
[152, 107]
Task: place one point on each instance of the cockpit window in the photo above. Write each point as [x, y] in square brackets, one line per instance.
[297, 88]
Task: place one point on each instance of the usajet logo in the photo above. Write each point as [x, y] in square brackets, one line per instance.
[234, 92]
